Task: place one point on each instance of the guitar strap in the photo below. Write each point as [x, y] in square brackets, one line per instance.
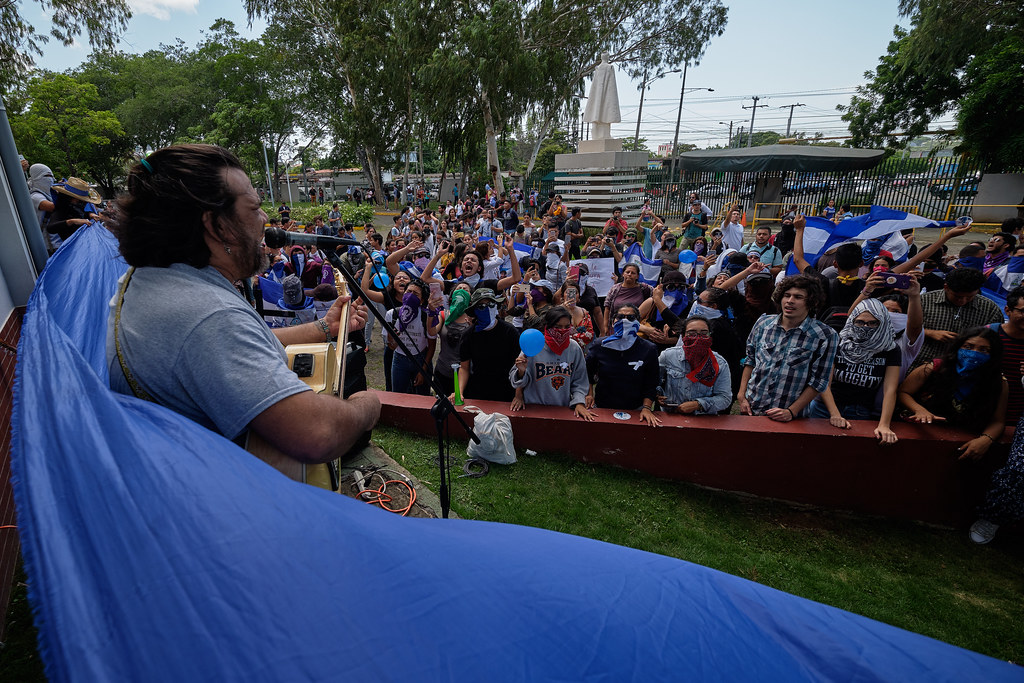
[136, 389]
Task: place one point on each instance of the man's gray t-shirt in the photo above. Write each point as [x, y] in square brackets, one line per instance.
[197, 347]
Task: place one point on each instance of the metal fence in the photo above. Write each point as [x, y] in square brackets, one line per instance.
[933, 188]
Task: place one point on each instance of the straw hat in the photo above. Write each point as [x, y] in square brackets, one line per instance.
[77, 188]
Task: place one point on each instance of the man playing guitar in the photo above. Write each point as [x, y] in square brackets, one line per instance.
[179, 333]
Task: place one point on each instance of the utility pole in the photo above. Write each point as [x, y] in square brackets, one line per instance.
[739, 137]
[753, 110]
[679, 118]
[789, 123]
[722, 123]
[640, 112]
[643, 91]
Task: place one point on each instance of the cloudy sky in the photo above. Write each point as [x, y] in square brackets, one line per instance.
[809, 52]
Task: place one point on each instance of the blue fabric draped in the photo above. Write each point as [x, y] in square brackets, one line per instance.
[158, 551]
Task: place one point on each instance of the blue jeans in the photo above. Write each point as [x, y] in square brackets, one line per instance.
[850, 412]
[404, 371]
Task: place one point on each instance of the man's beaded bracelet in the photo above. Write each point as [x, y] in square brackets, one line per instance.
[322, 324]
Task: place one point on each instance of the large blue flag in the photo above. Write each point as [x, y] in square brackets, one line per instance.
[879, 229]
[650, 269]
[158, 551]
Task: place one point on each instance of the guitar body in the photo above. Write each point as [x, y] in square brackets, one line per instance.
[322, 367]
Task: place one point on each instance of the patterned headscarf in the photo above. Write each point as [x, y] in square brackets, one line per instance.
[857, 344]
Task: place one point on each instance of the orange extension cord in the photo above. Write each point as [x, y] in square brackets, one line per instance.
[382, 497]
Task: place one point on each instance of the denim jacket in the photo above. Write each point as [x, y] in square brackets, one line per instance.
[679, 389]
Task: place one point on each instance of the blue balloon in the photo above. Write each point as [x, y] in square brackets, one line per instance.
[381, 280]
[531, 342]
[688, 256]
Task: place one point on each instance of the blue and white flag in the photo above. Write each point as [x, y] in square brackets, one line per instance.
[1003, 281]
[879, 228]
[526, 250]
[650, 270]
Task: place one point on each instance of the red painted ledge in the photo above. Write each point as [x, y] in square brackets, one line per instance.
[804, 461]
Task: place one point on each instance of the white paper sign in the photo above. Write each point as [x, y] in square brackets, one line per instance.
[601, 271]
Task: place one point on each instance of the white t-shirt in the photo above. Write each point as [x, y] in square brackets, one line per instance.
[732, 235]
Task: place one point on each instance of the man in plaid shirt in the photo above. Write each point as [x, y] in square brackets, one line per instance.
[954, 308]
[789, 355]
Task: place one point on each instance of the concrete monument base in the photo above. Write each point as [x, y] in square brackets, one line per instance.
[599, 180]
[602, 145]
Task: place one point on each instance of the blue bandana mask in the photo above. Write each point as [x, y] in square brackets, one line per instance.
[968, 360]
[486, 318]
[704, 311]
[623, 335]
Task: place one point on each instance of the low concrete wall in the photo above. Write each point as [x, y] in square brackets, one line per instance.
[804, 461]
[997, 188]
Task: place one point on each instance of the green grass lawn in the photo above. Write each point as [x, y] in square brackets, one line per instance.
[923, 579]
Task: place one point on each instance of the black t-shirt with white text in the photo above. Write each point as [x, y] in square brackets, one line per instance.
[858, 383]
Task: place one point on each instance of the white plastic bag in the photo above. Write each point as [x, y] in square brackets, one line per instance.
[495, 432]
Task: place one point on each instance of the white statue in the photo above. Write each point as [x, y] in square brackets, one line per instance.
[603, 103]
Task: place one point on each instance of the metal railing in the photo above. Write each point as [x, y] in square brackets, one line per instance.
[778, 214]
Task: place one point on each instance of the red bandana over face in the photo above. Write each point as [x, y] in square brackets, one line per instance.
[703, 366]
[557, 338]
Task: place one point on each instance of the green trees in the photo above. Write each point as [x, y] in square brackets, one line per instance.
[958, 57]
[63, 128]
[510, 57]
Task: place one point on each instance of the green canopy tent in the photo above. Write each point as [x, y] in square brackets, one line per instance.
[782, 158]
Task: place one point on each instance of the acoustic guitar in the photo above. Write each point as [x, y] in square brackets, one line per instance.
[322, 367]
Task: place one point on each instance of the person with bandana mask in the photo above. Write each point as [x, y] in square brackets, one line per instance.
[907, 317]
[963, 388]
[304, 267]
[667, 304]
[557, 375]
[588, 299]
[40, 180]
[623, 369]
[555, 269]
[411, 375]
[450, 327]
[669, 255]
[488, 350]
[867, 360]
[695, 379]
[538, 301]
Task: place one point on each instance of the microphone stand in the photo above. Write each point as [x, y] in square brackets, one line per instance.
[442, 407]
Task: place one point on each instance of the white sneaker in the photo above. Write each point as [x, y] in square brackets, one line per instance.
[983, 531]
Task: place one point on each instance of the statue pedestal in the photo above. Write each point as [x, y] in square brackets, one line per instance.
[599, 180]
[603, 145]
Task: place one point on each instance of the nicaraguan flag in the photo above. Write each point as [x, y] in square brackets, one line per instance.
[879, 228]
[526, 250]
[1003, 280]
[650, 270]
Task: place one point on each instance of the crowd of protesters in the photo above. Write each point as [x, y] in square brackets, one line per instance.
[720, 328]
[728, 331]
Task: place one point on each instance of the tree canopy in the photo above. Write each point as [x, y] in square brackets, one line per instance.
[960, 56]
[102, 20]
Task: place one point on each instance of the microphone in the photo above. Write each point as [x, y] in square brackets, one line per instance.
[275, 238]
